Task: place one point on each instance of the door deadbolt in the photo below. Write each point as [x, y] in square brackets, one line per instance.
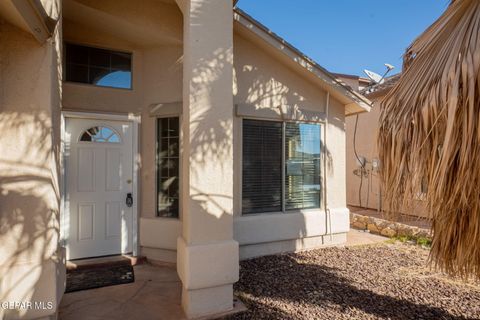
[129, 200]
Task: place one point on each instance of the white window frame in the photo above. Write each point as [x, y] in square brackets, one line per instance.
[323, 125]
[180, 139]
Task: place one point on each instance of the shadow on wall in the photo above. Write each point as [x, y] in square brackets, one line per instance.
[30, 98]
[266, 89]
[262, 81]
[211, 130]
[29, 202]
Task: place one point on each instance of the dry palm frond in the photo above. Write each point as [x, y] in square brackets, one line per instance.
[430, 134]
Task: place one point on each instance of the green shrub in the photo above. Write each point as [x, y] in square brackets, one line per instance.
[421, 241]
[424, 242]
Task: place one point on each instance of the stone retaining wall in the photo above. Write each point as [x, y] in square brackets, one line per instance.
[386, 228]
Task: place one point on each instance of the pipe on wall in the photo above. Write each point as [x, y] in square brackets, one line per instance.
[328, 215]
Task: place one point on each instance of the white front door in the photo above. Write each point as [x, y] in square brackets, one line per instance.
[99, 187]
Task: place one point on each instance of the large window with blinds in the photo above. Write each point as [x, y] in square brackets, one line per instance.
[281, 166]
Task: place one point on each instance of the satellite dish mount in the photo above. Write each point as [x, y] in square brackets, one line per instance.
[375, 77]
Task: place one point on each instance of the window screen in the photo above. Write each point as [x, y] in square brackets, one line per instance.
[99, 67]
[262, 166]
[167, 167]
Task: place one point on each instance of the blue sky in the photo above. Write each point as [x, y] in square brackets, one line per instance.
[347, 36]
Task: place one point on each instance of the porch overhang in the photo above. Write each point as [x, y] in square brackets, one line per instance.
[30, 16]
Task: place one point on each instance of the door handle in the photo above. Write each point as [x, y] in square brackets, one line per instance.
[129, 200]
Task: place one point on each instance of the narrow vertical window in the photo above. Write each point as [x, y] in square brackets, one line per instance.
[302, 166]
[262, 166]
[168, 134]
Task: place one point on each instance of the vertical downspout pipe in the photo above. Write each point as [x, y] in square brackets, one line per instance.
[328, 215]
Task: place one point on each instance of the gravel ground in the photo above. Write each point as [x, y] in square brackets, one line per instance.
[386, 281]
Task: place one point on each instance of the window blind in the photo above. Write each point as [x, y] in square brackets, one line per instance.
[262, 166]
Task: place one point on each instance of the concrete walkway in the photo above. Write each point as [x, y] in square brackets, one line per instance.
[155, 294]
[359, 237]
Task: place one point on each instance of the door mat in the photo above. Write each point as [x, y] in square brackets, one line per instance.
[99, 275]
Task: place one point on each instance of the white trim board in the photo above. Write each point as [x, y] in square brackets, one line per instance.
[282, 113]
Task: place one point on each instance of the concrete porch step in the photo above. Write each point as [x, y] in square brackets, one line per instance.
[104, 261]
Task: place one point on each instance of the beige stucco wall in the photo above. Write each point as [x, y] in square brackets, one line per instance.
[31, 264]
[366, 146]
[32, 96]
[260, 79]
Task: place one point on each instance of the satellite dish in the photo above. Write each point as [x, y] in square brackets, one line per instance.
[375, 77]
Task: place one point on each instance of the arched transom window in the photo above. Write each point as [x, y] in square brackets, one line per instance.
[100, 134]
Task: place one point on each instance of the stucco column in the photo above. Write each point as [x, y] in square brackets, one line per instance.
[207, 255]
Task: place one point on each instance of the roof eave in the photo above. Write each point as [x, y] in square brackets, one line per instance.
[28, 16]
[356, 108]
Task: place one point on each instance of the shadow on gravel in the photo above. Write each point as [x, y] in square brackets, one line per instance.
[263, 281]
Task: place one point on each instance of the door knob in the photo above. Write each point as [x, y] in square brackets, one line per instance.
[129, 200]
